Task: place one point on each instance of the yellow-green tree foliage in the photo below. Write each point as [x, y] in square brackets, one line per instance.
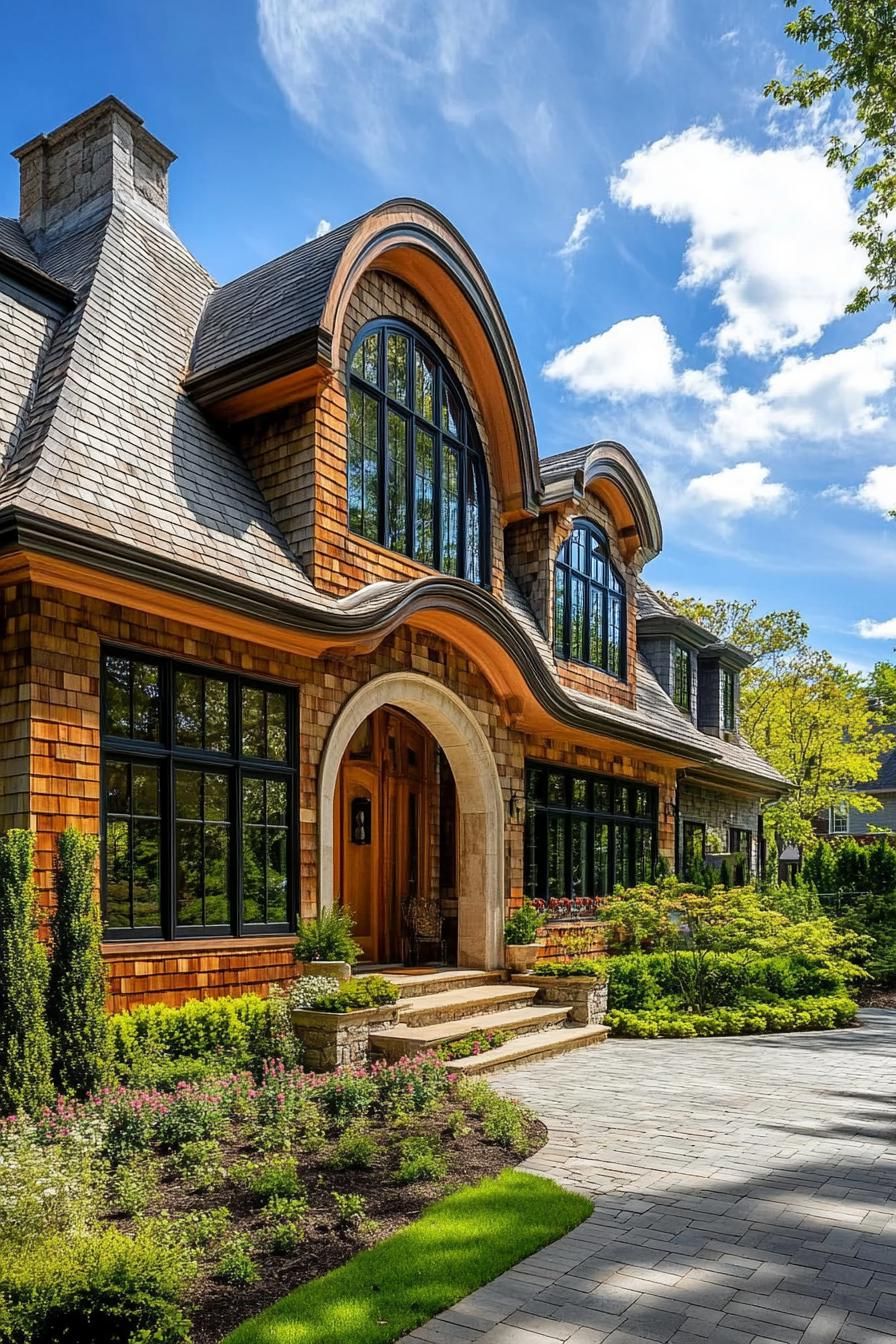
[807, 714]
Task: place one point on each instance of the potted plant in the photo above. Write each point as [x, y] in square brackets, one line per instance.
[520, 946]
[325, 946]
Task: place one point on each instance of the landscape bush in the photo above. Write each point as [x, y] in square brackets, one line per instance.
[642, 980]
[103, 1285]
[810, 1014]
[157, 1045]
[26, 1082]
[76, 1000]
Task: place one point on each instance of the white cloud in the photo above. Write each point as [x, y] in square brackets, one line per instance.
[737, 490]
[877, 629]
[379, 79]
[580, 231]
[816, 398]
[769, 231]
[877, 491]
[323, 227]
[635, 357]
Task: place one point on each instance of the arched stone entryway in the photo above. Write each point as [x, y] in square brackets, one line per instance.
[480, 845]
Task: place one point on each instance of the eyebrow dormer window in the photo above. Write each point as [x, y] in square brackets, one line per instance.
[416, 472]
[589, 602]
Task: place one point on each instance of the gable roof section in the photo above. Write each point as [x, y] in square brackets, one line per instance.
[274, 305]
[608, 469]
[658, 617]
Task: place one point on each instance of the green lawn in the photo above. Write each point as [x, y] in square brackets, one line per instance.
[458, 1244]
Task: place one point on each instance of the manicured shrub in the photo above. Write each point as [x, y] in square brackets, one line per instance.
[503, 1121]
[420, 1160]
[200, 1164]
[284, 1224]
[882, 867]
[134, 1185]
[104, 1285]
[26, 1082]
[819, 1013]
[272, 1178]
[235, 1264]
[354, 1150]
[76, 1001]
[228, 1033]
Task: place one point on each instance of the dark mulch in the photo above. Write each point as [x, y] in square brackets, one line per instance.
[878, 998]
[217, 1308]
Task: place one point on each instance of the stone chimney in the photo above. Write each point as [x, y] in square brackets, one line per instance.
[103, 157]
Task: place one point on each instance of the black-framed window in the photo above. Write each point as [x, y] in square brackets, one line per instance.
[740, 841]
[586, 834]
[416, 470]
[729, 700]
[681, 677]
[589, 602]
[199, 800]
[693, 846]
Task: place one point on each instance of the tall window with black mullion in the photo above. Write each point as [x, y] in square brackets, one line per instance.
[199, 800]
[729, 700]
[681, 677]
[586, 834]
[416, 472]
[589, 602]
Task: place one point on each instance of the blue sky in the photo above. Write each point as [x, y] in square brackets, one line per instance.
[671, 253]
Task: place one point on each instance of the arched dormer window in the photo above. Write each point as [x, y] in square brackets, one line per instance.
[589, 602]
[416, 473]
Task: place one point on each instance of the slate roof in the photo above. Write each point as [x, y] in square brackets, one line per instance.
[15, 245]
[113, 446]
[278, 300]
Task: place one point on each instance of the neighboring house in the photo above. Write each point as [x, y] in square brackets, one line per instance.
[845, 820]
[294, 614]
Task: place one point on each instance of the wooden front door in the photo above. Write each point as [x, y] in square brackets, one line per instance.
[383, 829]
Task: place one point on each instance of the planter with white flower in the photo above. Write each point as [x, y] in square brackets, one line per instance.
[333, 1018]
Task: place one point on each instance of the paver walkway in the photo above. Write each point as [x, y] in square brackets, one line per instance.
[745, 1191]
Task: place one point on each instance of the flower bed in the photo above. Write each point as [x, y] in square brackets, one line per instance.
[181, 1213]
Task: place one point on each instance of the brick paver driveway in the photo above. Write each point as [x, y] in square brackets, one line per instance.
[745, 1191]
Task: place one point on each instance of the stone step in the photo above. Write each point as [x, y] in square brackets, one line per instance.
[426, 1009]
[526, 1049]
[413, 984]
[403, 1040]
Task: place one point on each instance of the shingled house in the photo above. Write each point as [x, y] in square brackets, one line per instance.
[294, 614]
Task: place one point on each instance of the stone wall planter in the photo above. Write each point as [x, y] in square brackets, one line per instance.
[330, 1040]
[521, 956]
[336, 970]
[587, 998]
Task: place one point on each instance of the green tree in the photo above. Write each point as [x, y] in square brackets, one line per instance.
[76, 1003]
[882, 688]
[857, 39]
[25, 1059]
[807, 714]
